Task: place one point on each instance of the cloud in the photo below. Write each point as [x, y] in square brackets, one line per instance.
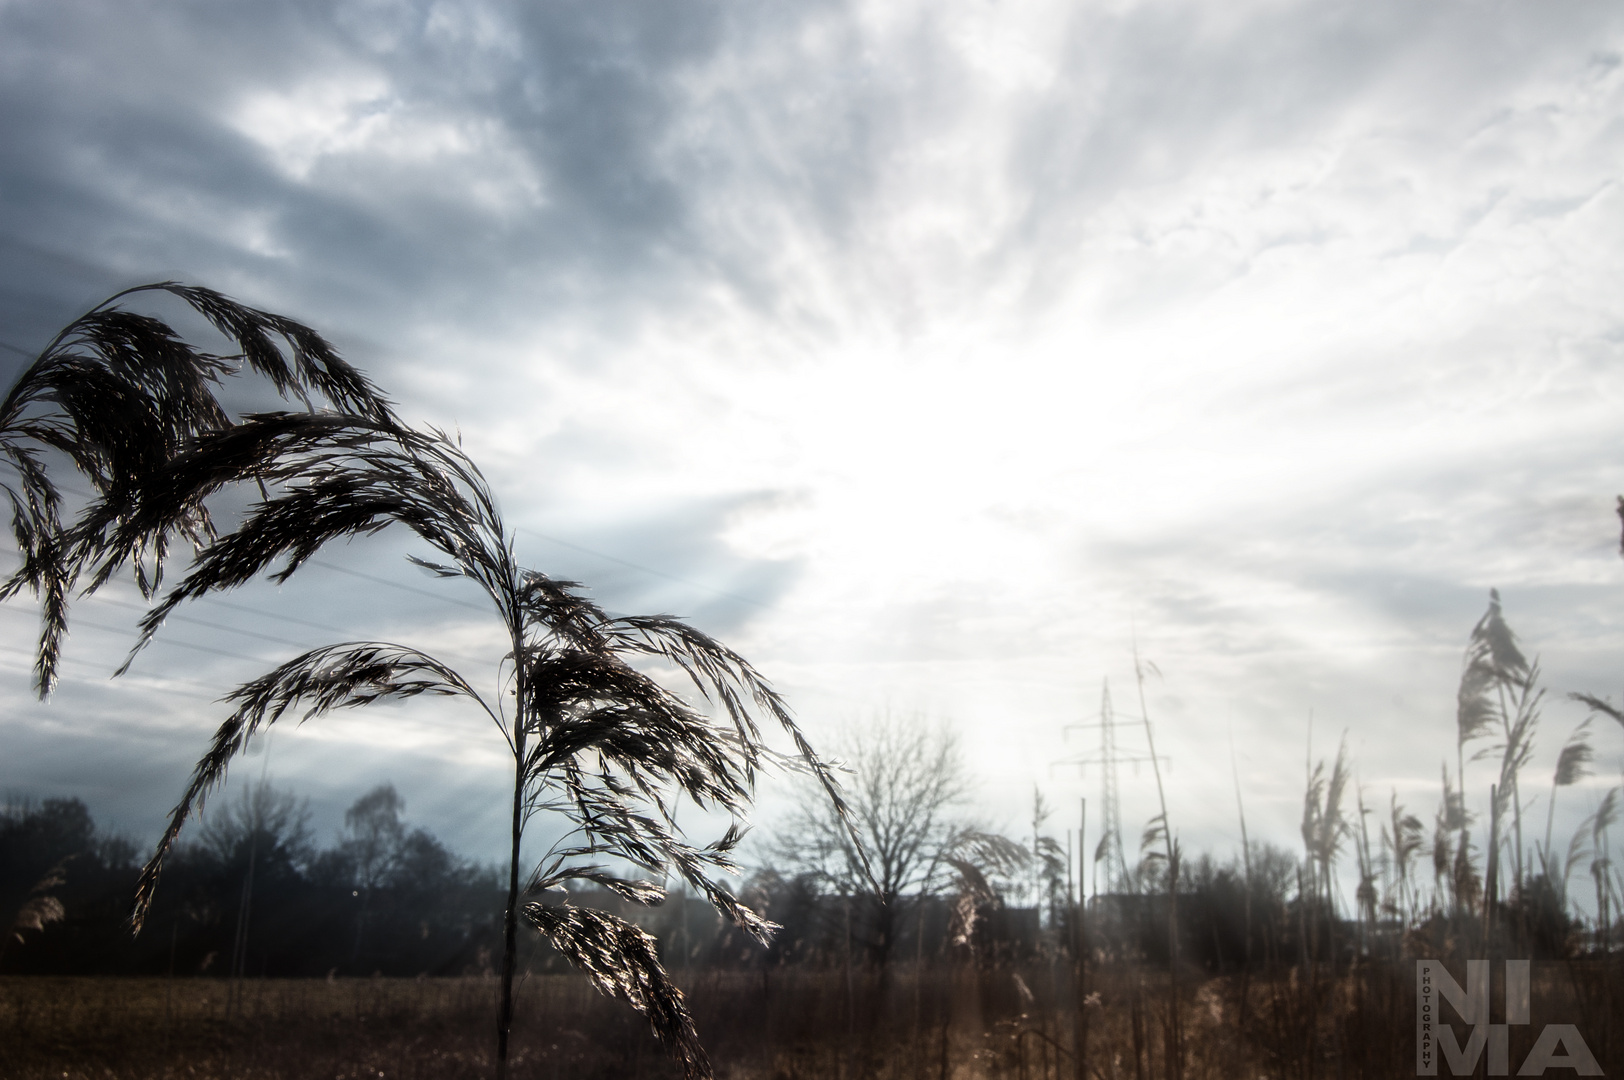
[930, 353]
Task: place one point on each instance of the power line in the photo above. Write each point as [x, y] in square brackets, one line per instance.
[645, 569]
[111, 630]
[583, 549]
[246, 610]
[194, 621]
[167, 641]
[402, 587]
[199, 695]
[203, 648]
[326, 566]
[300, 645]
[397, 585]
[313, 625]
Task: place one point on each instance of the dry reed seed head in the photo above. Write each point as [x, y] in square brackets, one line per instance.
[120, 394]
[332, 499]
[613, 826]
[1496, 638]
[621, 962]
[36, 914]
[1572, 763]
[1600, 705]
[1605, 817]
[335, 676]
[316, 365]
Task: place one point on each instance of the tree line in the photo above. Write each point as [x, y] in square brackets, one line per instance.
[253, 894]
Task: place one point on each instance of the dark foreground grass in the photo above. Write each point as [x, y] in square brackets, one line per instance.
[778, 1025]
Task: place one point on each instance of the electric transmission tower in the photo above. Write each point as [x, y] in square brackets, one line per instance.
[1109, 851]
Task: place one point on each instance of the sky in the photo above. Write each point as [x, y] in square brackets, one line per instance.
[935, 356]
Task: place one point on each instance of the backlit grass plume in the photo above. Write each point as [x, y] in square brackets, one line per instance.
[592, 739]
[119, 394]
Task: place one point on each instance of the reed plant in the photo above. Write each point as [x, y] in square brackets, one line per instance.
[1403, 837]
[1572, 765]
[1170, 857]
[1324, 828]
[1499, 697]
[593, 740]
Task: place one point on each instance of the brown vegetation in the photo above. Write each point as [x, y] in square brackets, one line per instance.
[784, 1024]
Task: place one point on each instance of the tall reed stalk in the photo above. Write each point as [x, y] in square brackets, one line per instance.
[1402, 834]
[1499, 694]
[1572, 765]
[592, 739]
[1246, 859]
[1175, 1036]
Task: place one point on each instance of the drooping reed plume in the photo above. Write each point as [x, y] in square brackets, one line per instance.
[1572, 765]
[1366, 896]
[1581, 754]
[1499, 695]
[1324, 827]
[39, 909]
[1162, 825]
[1601, 867]
[1403, 837]
[119, 394]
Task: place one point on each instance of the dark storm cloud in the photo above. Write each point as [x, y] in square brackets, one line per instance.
[117, 767]
[128, 157]
[666, 143]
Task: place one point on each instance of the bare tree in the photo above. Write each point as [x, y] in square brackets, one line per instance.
[264, 835]
[373, 846]
[906, 777]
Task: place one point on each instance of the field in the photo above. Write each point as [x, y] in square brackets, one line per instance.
[775, 1025]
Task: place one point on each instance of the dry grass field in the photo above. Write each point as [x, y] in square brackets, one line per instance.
[782, 1025]
[276, 1028]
